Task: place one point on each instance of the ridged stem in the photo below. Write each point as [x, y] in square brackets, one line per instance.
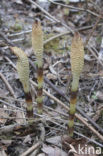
[40, 89]
[28, 99]
[37, 44]
[73, 101]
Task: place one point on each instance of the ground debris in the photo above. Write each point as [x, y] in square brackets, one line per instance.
[60, 19]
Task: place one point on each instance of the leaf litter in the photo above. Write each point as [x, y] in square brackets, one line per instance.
[20, 15]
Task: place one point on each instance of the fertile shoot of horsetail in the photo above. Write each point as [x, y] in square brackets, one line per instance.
[23, 72]
[77, 63]
[37, 45]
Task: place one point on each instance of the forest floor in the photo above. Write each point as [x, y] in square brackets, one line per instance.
[48, 135]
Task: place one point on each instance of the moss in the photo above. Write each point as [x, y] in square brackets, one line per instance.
[98, 40]
[66, 11]
[57, 45]
[17, 26]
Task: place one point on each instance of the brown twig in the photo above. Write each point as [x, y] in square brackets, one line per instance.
[44, 11]
[92, 31]
[65, 97]
[11, 63]
[67, 108]
[66, 115]
[7, 129]
[49, 15]
[77, 116]
[31, 149]
[78, 109]
[60, 92]
[66, 33]
[10, 105]
[92, 52]
[6, 39]
[9, 42]
[13, 127]
[76, 8]
[7, 85]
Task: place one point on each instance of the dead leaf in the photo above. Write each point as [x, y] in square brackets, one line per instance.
[51, 76]
[27, 139]
[3, 116]
[99, 95]
[6, 142]
[53, 151]
[20, 117]
[3, 93]
[52, 70]
[56, 140]
[98, 113]
[78, 147]
[2, 153]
